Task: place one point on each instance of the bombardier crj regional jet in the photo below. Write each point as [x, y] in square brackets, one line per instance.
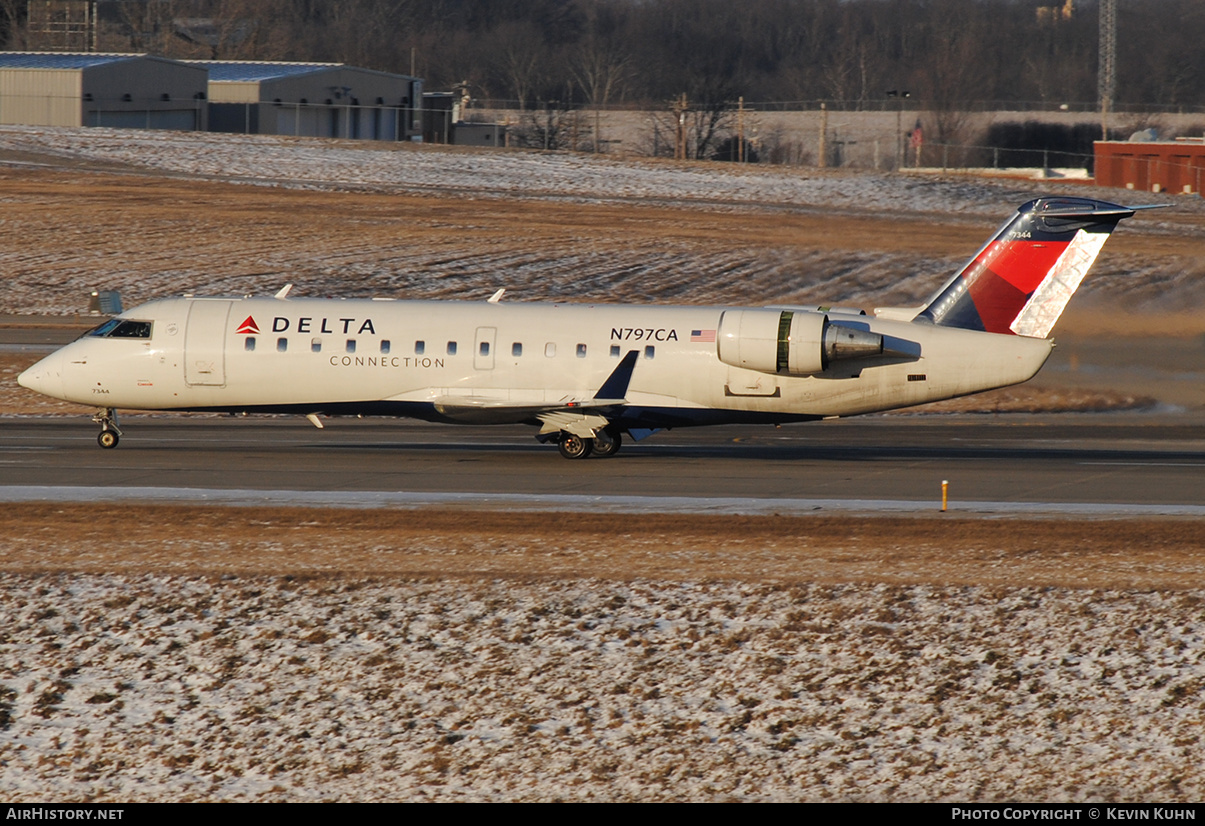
[586, 374]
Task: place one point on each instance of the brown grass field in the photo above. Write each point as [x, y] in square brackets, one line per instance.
[436, 544]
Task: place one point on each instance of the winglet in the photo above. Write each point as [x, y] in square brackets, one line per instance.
[283, 292]
[616, 385]
[496, 297]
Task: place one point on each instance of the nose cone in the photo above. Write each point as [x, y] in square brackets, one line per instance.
[45, 377]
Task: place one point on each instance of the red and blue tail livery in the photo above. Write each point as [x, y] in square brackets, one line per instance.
[1020, 281]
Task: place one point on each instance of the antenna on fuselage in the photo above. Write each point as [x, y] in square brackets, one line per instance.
[283, 292]
[496, 297]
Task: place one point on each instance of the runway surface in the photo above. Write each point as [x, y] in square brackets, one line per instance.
[1100, 464]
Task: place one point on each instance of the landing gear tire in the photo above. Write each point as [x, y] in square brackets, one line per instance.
[574, 447]
[110, 433]
[607, 442]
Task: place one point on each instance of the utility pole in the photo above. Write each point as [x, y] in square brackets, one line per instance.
[1106, 74]
[899, 124]
[740, 129]
[822, 161]
[680, 139]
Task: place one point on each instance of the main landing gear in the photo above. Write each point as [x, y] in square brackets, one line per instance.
[110, 433]
[605, 443]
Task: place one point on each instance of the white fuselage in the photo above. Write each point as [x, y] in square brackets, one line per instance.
[495, 362]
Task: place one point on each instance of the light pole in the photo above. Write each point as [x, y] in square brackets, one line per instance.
[899, 124]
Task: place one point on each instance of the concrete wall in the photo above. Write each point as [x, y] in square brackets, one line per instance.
[864, 140]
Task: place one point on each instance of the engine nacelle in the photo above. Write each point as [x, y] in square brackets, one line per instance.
[796, 343]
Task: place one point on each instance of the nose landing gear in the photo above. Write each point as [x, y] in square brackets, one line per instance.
[110, 433]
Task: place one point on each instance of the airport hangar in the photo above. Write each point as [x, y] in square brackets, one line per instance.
[125, 91]
[138, 91]
[325, 100]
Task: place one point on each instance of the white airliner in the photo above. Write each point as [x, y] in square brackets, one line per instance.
[585, 374]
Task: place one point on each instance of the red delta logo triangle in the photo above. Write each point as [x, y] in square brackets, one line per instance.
[248, 327]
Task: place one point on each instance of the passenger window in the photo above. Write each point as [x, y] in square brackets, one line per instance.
[516, 349]
[249, 343]
[581, 351]
[451, 348]
[316, 345]
[351, 345]
[614, 351]
[282, 344]
[384, 346]
[484, 348]
[419, 347]
[650, 351]
[550, 349]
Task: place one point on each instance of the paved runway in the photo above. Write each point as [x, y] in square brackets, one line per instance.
[1155, 463]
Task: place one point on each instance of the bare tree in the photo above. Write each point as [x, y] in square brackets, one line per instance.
[520, 59]
[14, 19]
[949, 53]
[951, 77]
[549, 126]
[694, 130]
[600, 69]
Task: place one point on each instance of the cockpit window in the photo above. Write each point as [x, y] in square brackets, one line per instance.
[122, 328]
[103, 330]
[132, 329]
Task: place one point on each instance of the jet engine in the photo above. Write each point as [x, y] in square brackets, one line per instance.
[796, 343]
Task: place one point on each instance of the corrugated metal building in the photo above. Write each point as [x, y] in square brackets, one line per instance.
[130, 91]
[1153, 166]
[329, 100]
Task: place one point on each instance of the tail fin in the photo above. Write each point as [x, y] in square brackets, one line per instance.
[1022, 279]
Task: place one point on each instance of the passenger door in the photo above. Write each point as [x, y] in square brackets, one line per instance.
[205, 343]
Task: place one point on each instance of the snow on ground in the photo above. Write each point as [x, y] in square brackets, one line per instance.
[492, 173]
[176, 688]
[170, 254]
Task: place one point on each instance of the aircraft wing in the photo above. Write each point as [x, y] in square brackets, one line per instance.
[580, 416]
[491, 410]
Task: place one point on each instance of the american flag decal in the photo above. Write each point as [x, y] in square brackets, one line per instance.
[706, 336]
